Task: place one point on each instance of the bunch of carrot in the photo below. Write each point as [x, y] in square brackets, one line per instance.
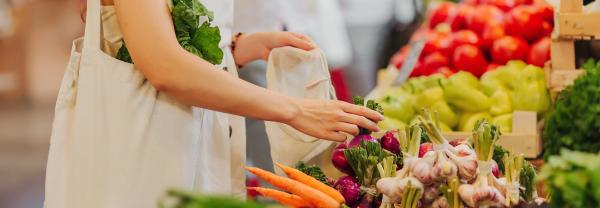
[302, 190]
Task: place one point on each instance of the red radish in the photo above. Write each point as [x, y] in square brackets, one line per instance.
[522, 21]
[540, 52]
[509, 48]
[425, 148]
[495, 169]
[463, 37]
[482, 16]
[442, 13]
[490, 34]
[434, 61]
[389, 142]
[340, 162]
[349, 187]
[470, 58]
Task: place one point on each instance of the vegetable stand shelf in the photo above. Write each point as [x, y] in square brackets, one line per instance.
[571, 25]
[525, 137]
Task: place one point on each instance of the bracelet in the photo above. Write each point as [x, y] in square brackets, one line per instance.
[233, 42]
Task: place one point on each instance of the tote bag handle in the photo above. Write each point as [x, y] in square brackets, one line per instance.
[91, 35]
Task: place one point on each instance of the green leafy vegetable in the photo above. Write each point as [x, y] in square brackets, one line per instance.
[187, 199]
[575, 121]
[364, 160]
[573, 179]
[499, 153]
[315, 172]
[201, 40]
[527, 180]
[371, 104]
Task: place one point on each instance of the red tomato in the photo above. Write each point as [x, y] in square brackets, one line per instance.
[546, 29]
[418, 70]
[490, 34]
[460, 20]
[482, 16]
[398, 58]
[442, 13]
[521, 21]
[471, 2]
[544, 10]
[463, 37]
[540, 52]
[504, 5]
[509, 48]
[437, 42]
[434, 61]
[470, 58]
[446, 71]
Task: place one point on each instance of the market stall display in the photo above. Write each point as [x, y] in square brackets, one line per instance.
[477, 36]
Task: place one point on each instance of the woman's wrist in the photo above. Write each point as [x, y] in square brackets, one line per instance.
[248, 48]
[288, 110]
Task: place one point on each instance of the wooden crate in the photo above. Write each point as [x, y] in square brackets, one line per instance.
[525, 136]
[571, 24]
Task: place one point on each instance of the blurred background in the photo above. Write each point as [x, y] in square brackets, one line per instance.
[358, 37]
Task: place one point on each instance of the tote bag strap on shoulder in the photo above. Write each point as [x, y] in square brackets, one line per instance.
[92, 34]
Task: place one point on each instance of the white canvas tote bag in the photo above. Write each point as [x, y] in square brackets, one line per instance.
[118, 142]
[301, 74]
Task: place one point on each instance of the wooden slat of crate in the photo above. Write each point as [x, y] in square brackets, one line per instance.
[524, 139]
[578, 24]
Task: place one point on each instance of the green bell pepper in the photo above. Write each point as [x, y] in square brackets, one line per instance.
[390, 124]
[490, 81]
[530, 90]
[501, 102]
[398, 106]
[465, 78]
[445, 113]
[504, 122]
[465, 97]
[468, 120]
[428, 97]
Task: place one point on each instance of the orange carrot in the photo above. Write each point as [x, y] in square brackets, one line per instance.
[312, 182]
[283, 197]
[313, 196]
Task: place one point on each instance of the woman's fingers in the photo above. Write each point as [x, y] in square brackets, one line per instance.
[346, 127]
[361, 111]
[359, 121]
[335, 136]
[299, 41]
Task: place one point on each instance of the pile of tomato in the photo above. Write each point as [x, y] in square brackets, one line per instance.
[480, 35]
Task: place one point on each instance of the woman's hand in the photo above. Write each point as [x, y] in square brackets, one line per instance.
[330, 119]
[250, 47]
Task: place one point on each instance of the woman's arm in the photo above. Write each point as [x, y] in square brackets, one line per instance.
[148, 31]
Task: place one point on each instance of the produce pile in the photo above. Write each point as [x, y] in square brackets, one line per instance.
[462, 99]
[574, 122]
[402, 170]
[478, 35]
